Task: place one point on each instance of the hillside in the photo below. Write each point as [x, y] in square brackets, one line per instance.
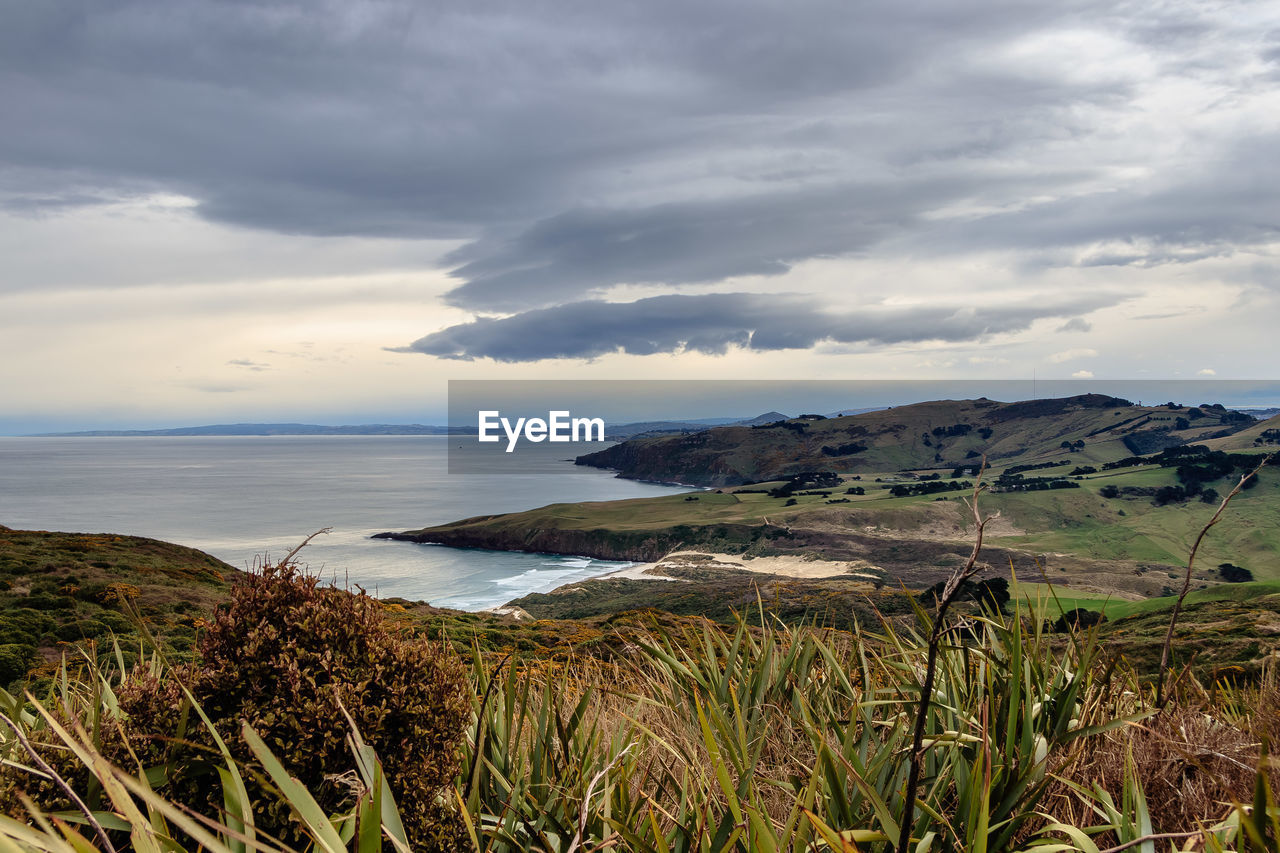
[613, 678]
[59, 591]
[937, 435]
[62, 588]
[1121, 528]
[1261, 435]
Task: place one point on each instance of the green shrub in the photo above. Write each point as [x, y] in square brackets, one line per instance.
[94, 592]
[23, 625]
[37, 601]
[116, 622]
[15, 660]
[80, 629]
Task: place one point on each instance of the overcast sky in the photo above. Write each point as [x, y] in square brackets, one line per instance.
[281, 211]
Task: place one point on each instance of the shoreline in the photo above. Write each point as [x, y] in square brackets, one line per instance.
[792, 567]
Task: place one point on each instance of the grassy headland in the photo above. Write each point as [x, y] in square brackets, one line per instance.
[62, 589]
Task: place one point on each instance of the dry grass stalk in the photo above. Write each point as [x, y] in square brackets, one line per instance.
[957, 579]
[1167, 648]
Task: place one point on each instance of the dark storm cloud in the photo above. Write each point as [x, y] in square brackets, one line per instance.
[685, 243]
[582, 145]
[712, 323]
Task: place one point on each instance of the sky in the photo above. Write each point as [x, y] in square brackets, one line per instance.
[247, 210]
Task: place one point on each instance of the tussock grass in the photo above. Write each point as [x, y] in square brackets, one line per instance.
[760, 737]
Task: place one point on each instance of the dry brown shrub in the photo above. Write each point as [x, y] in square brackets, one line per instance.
[1191, 764]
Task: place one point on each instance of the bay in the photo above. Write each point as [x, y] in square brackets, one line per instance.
[241, 498]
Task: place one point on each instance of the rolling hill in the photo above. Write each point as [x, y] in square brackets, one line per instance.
[1081, 496]
[939, 435]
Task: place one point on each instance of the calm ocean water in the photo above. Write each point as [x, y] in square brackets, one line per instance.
[240, 497]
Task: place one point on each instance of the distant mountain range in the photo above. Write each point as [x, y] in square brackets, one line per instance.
[272, 429]
[616, 432]
[620, 432]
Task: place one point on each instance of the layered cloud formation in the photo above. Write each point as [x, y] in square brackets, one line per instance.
[712, 323]
[585, 173]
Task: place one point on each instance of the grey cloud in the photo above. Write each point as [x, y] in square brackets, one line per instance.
[578, 146]
[1224, 207]
[712, 323]
[1076, 324]
[47, 204]
[694, 242]
[402, 119]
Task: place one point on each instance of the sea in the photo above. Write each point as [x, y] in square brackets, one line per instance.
[246, 498]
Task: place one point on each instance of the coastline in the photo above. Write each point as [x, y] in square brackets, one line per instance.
[782, 566]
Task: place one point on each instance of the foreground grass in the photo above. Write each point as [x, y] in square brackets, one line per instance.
[760, 736]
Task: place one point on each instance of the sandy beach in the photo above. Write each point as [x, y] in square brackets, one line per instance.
[794, 567]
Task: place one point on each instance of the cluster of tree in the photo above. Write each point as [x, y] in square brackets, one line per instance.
[1073, 446]
[1268, 436]
[1077, 619]
[1081, 470]
[797, 426]
[848, 449]
[855, 490]
[805, 480]
[1193, 454]
[1161, 495]
[1033, 466]
[1232, 573]
[1166, 495]
[993, 592]
[953, 431]
[1206, 469]
[1017, 483]
[929, 487]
